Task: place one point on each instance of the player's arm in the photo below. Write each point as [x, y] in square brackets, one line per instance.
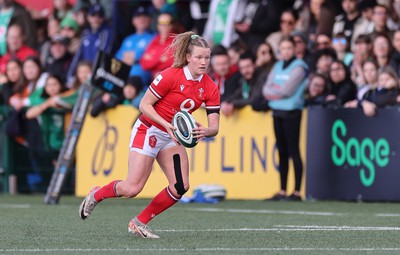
[147, 108]
[213, 125]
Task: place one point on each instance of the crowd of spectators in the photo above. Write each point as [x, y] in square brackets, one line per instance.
[351, 48]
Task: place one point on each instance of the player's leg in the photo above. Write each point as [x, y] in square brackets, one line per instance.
[141, 158]
[139, 169]
[174, 163]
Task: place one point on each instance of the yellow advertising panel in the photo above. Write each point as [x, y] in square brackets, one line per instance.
[242, 158]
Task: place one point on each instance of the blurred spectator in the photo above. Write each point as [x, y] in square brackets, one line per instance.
[161, 6]
[13, 13]
[342, 88]
[301, 49]
[317, 90]
[16, 46]
[246, 85]
[199, 13]
[61, 9]
[340, 45]
[59, 59]
[287, 25]
[221, 20]
[323, 61]
[350, 22]
[284, 89]
[132, 94]
[395, 57]
[53, 28]
[380, 21]
[265, 57]
[44, 132]
[33, 74]
[84, 5]
[69, 28]
[236, 49]
[156, 57]
[323, 41]
[370, 78]
[384, 94]
[98, 36]
[317, 18]
[261, 18]
[68, 99]
[367, 10]
[133, 46]
[362, 52]
[382, 49]
[222, 70]
[14, 81]
[79, 12]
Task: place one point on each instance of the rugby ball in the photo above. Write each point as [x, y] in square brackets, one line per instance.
[184, 123]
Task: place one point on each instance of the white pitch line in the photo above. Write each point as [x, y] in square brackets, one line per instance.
[15, 206]
[339, 228]
[266, 211]
[289, 228]
[197, 249]
[388, 215]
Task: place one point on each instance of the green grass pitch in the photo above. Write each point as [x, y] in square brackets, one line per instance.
[28, 226]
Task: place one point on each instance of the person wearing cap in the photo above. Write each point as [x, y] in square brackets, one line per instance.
[69, 28]
[59, 58]
[97, 37]
[133, 46]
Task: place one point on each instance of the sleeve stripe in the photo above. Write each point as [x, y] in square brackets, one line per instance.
[213, 107]
[154, 92]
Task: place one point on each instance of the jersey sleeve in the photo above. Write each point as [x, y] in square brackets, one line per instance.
[213, 101]
[162, 84]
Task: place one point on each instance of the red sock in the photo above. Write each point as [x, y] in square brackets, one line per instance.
[160, 203]
[106, 191]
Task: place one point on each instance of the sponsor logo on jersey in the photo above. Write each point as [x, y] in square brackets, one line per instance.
[157, 79]
[182, 87]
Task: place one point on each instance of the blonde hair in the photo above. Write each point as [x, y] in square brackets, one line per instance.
[184, 43]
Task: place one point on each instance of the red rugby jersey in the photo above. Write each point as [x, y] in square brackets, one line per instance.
[177, 90]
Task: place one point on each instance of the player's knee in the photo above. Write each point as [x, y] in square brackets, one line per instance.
[181, 188]
[132, 192]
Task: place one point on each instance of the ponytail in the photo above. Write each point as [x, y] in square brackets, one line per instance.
[184, 43]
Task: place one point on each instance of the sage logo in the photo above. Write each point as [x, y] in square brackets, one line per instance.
[364, 154]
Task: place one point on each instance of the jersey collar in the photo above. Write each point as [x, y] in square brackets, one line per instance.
[189, 76]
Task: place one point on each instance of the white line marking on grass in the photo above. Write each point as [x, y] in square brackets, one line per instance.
[89, 250]
[337, 228]
[15, 206]
[388, 215]
[289, 228]
[265, 211]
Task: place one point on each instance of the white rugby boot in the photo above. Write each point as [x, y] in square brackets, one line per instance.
[141, 229]
[88, 204]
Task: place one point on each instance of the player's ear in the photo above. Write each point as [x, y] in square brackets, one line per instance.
[187, 57]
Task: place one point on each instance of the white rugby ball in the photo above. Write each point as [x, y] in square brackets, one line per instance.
[184, 123]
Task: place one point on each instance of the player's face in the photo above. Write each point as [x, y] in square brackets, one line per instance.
[198, 61]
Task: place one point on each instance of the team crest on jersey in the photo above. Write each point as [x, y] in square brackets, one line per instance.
[182, 87]
[152, 141]
[157, 79]
[201, 93]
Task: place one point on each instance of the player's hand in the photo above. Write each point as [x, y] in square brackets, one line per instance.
[199, 132]
[170, 130]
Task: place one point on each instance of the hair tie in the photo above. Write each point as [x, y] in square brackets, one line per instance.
[194, 36]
